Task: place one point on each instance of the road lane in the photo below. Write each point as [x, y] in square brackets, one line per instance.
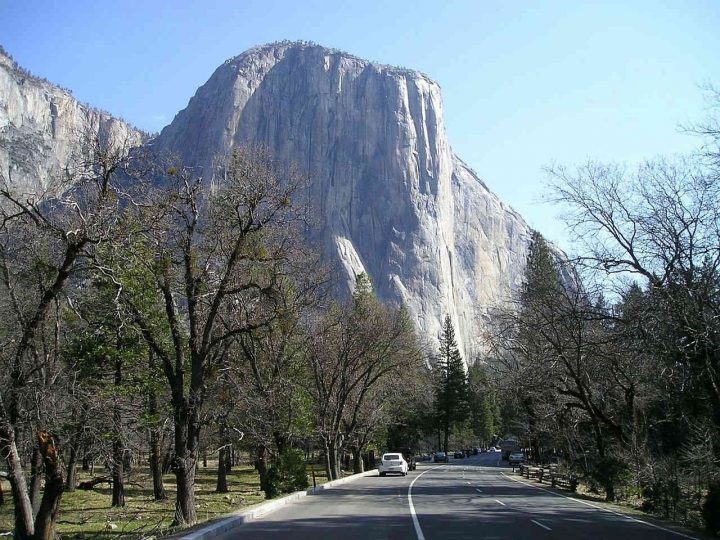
[448, 507]
[368, 508]
[470, 498]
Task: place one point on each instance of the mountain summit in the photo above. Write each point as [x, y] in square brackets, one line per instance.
[393, 199]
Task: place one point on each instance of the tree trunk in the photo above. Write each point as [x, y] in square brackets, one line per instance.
[167, 462]
[77, 444]
[357, 461]
[71, 480]
[90, 484]
[261, 464]
[36, 479]
[221, 486]
[184, 463]
[54, 485]
[36, 464]
[24, 522]
[333, 460]
[184, 468]
[446, 434]
[156, 467]
[118, 488]
[281, 442]
[328, 466]
[229, 453]
[609, 490]
[127, 460]
[607, 479]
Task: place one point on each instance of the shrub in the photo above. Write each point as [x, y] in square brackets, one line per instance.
[610, 473]
[287, 474]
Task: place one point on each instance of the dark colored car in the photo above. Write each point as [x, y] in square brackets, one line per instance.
[459, 455]
[440, 457]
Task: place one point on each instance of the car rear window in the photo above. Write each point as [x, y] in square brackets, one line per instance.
[388, 457]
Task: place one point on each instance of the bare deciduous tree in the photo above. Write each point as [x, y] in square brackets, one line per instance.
[220, 252]
[44, 240]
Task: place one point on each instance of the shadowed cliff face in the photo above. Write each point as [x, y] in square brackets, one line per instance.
[42, 126]
[392, 198]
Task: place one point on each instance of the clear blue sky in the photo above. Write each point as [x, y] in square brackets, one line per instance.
[524, 84]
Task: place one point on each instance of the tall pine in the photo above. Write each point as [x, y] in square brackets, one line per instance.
[541, 302]
[451, 397]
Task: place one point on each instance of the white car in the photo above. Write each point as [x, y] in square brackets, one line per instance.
[393, 463]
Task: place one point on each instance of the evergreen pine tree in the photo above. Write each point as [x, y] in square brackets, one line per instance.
[541, 301]
[451, 398]
[542, 277]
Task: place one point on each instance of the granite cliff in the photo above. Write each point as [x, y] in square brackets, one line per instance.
[393, 199]
[41, 127]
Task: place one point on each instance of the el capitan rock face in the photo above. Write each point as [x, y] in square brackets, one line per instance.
[393, 199]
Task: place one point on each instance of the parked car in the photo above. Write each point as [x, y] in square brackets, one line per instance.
[493, 449]
[440, 457]
[516, 458]
[459, 454]
[393, 463]
[409, 456]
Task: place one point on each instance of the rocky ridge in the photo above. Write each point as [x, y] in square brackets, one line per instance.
[41, 126]
[392, 198]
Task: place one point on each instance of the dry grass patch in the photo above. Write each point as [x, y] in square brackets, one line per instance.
[88, 514]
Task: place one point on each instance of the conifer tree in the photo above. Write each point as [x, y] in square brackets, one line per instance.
[451, 398]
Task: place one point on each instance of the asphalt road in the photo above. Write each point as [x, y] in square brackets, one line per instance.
[473, 498]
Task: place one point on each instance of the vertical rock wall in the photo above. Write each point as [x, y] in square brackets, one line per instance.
[393, 199]
[42, 126]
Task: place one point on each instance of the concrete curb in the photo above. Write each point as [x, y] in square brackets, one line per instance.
[352, 477]
[234, 520]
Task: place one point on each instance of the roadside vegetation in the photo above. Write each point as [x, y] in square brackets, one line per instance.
[90, 514]
[608, 360]
[153, 321]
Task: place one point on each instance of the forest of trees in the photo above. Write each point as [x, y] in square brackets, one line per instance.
[610, 360]
[153, 316]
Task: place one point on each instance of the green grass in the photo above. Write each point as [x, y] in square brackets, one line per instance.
[320, 474]
[88, 514]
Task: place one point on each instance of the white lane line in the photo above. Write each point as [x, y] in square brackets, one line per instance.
[478, 490]
[604, 509]
[541, 525]
[499, 502]
[418, 529]
[468, 483]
